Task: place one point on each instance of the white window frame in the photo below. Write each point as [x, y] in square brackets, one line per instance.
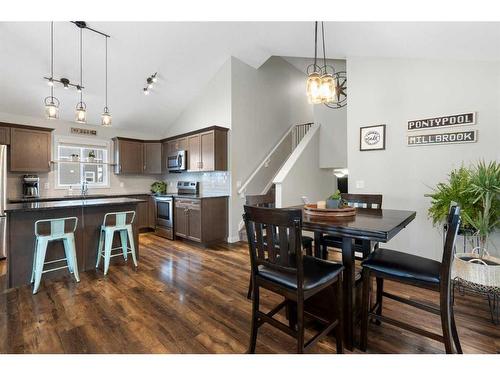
[83, 142]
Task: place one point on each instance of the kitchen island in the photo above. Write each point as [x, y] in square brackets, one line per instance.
[21, 218]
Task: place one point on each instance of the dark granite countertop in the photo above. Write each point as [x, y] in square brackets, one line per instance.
[192, 196]
[36, 206]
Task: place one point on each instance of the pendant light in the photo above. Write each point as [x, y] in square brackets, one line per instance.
[314, 78]
[51, 102]
[81, 107]
[322, 81]
[106, 116]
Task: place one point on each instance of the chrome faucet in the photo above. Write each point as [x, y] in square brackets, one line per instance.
[85, 188]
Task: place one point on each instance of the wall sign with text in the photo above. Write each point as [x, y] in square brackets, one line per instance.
[82, 131]
[467, 136]
[442, 122]
[372, 138]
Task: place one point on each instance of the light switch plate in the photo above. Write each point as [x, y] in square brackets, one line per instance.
[46, 186]
[238, 184]
[360, 184]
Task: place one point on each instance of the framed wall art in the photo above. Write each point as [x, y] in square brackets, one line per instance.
[372, 138]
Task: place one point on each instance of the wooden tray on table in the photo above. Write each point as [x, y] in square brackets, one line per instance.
[313, 210]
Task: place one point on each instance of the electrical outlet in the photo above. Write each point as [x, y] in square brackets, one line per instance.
[360, 184]
[238, 184]
[46, 186]
[122, 184]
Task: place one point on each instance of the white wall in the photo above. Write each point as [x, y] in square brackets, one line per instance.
[131, 184]
[265, 103]
[301, 175]
[393, 91]
[211, 107]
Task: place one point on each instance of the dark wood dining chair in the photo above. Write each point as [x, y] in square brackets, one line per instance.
[268, 201]
[417, 271]
[280, 266]
[372, 201]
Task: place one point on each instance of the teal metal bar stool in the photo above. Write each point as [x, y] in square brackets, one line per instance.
[57, 232]
[124, 227]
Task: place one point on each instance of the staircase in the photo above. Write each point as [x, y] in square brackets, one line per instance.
[260, 182]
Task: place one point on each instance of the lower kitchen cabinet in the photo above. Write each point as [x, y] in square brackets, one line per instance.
[145, 212]
[202, 220]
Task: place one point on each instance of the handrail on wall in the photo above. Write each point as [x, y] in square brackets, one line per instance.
[301, 130]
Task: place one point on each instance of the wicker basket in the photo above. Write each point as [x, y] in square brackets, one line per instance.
[472, 268]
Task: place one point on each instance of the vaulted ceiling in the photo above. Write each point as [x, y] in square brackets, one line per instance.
[186, 55]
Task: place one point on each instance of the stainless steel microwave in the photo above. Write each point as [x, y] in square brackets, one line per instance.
[177, 162]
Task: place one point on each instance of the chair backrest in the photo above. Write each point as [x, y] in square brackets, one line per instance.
[363, 200]
[56, 227]
[120, 218]
[453, 224]
[282, 252]
[266, 200]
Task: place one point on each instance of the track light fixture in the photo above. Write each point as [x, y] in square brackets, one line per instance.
[152, 79]
[52, 103]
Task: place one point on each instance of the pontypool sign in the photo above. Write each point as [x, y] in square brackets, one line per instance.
[467, 136]
[442, 122]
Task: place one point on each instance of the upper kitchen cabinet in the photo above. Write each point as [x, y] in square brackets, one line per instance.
[129, 156]
[152, 157]
[30, 149]
[207, 150]
[4, 135]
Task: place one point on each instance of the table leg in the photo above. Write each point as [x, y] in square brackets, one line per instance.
[366, 246]
[349, 279]
[317, 245]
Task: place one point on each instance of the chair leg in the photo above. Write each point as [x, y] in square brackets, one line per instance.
[379, 299]
[365, 306]
[124, 242]
[70, 242]
[300, 325]
[454, 333]
[339, 330]
[108, 244]
[100, 248]
[324, 251]
[309, 250]
[446, 321]
[249, 293]
[132, 244]
[34, 263]
[40, 260]
[255, 322]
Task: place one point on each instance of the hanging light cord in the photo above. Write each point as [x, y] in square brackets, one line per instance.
[315, 44]
[81, 65]
[324, 50]
[52, 60]
[106, 75]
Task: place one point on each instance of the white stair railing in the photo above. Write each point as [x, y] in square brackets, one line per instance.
[293, 135]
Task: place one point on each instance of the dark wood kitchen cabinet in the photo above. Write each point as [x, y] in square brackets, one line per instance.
[30, 149]
[152, 157]
[4, 135]
[202, 220]
[207, 151]
[129, 156]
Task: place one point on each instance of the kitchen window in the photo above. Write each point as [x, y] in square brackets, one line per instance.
[79, 161]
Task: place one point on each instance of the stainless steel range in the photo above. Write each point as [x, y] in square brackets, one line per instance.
[165, 207]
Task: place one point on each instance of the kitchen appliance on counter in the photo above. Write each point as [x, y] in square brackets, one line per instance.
[31, 186]
[3, 201]
[164, 216]
[177, 162]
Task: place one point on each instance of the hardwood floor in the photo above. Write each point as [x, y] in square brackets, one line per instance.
[186, 299]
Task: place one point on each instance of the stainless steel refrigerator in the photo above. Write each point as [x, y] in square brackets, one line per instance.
[3, 201]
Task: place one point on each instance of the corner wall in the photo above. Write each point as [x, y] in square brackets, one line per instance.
[393, 91]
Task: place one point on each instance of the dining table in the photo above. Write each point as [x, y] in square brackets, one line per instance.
[368, 226]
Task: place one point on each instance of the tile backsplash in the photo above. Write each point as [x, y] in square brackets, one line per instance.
[210, 182]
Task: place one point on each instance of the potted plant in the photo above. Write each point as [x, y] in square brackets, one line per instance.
[477, 191]
[159, 187]
[91, 156]
[334, 200]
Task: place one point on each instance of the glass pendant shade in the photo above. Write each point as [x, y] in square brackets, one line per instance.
[328, 88]
[106, 118]
[81, 113]
[51, 107]
[313, 88]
